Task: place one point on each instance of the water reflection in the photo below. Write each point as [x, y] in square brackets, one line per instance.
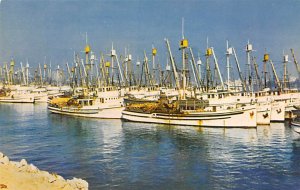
[112, 154]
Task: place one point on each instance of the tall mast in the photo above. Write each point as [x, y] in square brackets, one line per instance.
[248, 52]
[183, 45]
[154, 52]
[285, 77]
[266, 59]
[173, 66]
[208, 71]
[239, 70]
[195, 69]
[276, 76]
[228, 53]
[112, 55]
[199, 63]
[218, 69]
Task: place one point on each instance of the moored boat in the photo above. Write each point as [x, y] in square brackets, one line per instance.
[106, 105]
[296, 126]
[191, 112]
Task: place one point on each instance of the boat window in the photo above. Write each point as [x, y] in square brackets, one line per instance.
[91, 102]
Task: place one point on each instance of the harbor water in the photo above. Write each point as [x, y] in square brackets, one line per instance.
[113, 154]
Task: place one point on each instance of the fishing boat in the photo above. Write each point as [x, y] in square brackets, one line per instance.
[192, 112]
[9, 96]
[296, 126]
[105, 103]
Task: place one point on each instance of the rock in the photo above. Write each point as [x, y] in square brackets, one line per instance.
[51, 178]
[3, 186]
[4, 160]
[32, 168]
[78, 183]
[1, 155]
[23, 162]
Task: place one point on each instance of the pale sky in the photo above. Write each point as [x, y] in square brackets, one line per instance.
[33, 29]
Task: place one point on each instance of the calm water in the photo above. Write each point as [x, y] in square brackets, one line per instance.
[111, 154]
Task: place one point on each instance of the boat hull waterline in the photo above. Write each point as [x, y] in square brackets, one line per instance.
[239, 119]
[107, 113]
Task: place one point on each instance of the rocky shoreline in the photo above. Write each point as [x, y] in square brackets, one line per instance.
[21, 175]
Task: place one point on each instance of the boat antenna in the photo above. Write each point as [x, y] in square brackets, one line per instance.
[207, 42]
[86, 38]
[182, 27]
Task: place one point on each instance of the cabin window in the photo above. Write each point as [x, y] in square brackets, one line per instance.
[91, 102]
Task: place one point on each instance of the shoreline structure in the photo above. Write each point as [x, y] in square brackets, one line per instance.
[21, 175]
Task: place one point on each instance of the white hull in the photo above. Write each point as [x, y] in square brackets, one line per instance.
[244, 119]
[17, 99]
[263, 114]
[41, 99]
[296, 127]
[107, 113]
[278, 112]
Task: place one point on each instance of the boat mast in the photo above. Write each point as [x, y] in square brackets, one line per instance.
[266, 59]
[218, 69]
[248, 52]
[276, 76]
[176, 77]
[285, 76]
[258, 80]
[195, 69]
[183, 46]
[154, 52]
[199, 63]
[239, 70]
[295, 61]
[228, 53]
[208, 71]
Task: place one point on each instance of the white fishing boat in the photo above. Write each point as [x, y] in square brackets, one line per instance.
[106, 105]
[296, 126]
[17, 99]
[190, 112]
[9, 96]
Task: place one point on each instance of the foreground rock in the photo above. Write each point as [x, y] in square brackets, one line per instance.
[21, 175]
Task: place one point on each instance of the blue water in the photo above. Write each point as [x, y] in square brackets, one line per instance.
[111, 154]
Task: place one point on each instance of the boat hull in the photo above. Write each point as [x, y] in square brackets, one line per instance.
[278, 112]
[240, 119]
[107, 113]
[17, 100]
[296, 127]
[263, 114]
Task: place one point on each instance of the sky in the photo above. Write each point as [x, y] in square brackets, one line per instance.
[36, 30]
